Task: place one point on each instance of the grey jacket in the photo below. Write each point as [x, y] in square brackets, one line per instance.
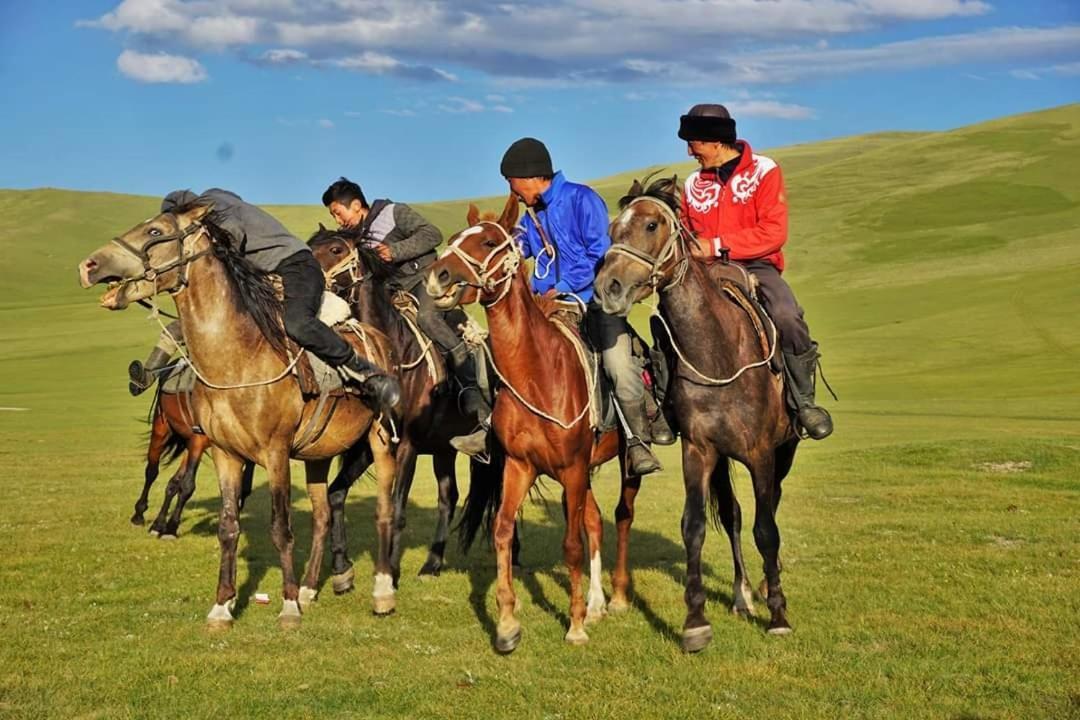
[258, 234]
[411, 238]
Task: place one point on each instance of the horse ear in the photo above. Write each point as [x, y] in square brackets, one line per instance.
[196, 213]
[509, 216]
[322, 228]
[473, 217]
[636, 188]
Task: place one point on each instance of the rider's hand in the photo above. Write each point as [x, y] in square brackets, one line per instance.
[383, 249]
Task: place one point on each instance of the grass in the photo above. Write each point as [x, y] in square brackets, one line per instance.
[931, 546]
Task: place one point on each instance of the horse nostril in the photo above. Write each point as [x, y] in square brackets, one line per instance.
[444, 277]
[89, 264]
[615, 288]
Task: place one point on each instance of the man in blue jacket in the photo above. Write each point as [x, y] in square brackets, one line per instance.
[565, 231]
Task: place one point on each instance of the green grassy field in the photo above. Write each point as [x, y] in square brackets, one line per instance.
[932, 560]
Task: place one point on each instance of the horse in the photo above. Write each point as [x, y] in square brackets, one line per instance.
[172, 435]
[727, 400]
[540, 419]
[431, 415]
[247, 401]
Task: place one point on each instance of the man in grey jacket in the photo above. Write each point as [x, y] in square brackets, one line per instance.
[272, 249]
[403, 237]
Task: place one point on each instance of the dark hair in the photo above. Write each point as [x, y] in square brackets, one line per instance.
[344, 191]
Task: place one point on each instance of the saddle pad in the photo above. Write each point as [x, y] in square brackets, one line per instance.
[601, 409]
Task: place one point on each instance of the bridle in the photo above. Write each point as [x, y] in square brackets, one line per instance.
[182, 260]
[349, 263]
[485, 272]
[672, 257]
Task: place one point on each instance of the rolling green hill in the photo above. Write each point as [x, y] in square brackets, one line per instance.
[931, 545]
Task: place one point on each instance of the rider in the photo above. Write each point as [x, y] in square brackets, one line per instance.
[272, 249]
[735, 206]
[566, 231]
[403, 237]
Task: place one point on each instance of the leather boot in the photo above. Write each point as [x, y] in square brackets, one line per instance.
[476, 442]
[378, 388]
[141, 375]
[661, 432]
[801, 371]
[472, 403]
[640, 459]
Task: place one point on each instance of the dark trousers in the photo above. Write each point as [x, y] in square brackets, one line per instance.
[303, 283]
[779, 301]
[610, 334]
[434, 321]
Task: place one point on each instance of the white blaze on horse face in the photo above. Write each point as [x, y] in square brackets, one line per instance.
[468, 232]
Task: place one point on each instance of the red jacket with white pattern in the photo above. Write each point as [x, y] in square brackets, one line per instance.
[748, 215]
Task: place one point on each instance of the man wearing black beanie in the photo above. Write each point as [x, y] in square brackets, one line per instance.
[736, 207]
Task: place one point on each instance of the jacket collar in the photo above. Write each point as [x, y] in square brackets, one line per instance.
[550, 195]
[373, 212]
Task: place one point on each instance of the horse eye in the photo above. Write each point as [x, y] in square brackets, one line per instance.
[490, 243]
[154, 232]
[336, 251]
[651, 227]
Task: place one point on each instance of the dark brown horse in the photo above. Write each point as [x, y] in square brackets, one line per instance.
[430, 412]
[540, 419]
[172, 435]
[247, 401]
[728, 402]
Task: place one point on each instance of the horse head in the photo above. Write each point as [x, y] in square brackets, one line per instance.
[646, 246]
[148, 259]
[474, 267]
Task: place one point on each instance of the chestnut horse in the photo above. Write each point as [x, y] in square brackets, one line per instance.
[172, 435]
[540, 418]
[728, 402]
[430, 413]
[247, 401]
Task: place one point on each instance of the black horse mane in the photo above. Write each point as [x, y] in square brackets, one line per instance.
[663, 189]
[253, 291]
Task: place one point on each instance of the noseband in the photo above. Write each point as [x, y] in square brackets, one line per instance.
[484, 271]
[182, 259]
[669, 251]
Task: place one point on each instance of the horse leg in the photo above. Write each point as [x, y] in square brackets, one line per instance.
[316, 473]
[277, 468]
[575, 481]
[383, 599]
[698, 464]
[624, 518]
[729, 513]
[595, 605]
[229, 469]
[159, 434]
[518, 477]
[246, 481]
[353, 463]
[767, 537]
[186, 484]
[783, 456]
[172, 489]
[446, 478]
[406, 471]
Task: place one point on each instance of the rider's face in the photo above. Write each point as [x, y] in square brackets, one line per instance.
[347, 216]
[528, 190]
[708, 154]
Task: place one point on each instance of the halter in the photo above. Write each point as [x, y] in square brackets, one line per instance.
[668, 251]
[150, 272]
[483, 271]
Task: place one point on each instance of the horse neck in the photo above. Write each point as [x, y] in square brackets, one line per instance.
[215, 329]
[703, 321]
[378, 311]
[520, 333]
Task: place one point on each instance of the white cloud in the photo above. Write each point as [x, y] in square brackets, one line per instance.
[460, 105]
[405, 112]
[326, 124]
[160, 68]
[283, 56]
[1024, 74]
[769, 108]
[502, 109]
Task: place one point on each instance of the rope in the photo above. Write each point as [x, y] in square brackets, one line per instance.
[535, 410]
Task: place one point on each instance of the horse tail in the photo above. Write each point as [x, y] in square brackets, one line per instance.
[485, 496]
[721, 493]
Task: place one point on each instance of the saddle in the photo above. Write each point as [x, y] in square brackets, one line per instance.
[409, 307]
[740, 286]
[569, 319]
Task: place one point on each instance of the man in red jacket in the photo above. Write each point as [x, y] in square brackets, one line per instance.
[735, 205]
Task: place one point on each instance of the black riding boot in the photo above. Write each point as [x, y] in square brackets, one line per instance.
[142, 375]
[659, 428]
[801, 375]
[379, 388]
[472, 402]
[640, 459]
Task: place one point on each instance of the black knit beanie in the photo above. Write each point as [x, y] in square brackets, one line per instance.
[526, 158]
[708, 123]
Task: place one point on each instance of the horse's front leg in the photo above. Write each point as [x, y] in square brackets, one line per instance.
[446, 480]
[316, 472]
[229, 470]
[406, 470]
[159, 434]
[624, 518]
[518, 476]
[353, 463]
[596, 605]
[383, 594]
[575, 481]
[186, 484]
[282, 535]
[698, 464]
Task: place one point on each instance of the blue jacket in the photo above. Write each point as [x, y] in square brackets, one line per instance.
[575, 220]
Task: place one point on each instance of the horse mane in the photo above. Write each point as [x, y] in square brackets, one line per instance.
[665, 189]
[252, 289]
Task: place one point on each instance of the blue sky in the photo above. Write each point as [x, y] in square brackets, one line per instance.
[418, 100]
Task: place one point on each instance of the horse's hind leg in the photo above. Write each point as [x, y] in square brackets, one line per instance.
[316, 473]
[595, 604]
[172, 489]
[624, 518]
[698, 465]
[767, 537]
[729, 513]
[406, 471]
[186, 482]
[446, 478]
[159, 434]
[229, 469]
[353, 463]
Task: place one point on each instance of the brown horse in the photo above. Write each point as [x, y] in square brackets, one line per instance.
[172, 435]
[247, 401]
[728, 402]
[540, 417]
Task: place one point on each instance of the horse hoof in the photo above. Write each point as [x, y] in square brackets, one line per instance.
[343, 582]
[220, 616]
[138, 520]
[779, 629]
[167, 536]
[383, 605]
[307, 596]
[153, 532]
[595, 615]
[618, 605]
[577, 636]
[696, 639]
[431, 569]
[746, 613]
[507, 637]
[290, 618]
